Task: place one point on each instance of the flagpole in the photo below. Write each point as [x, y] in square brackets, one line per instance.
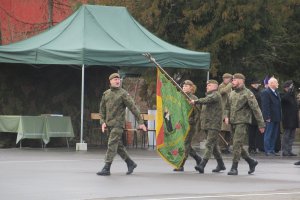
[148, 55]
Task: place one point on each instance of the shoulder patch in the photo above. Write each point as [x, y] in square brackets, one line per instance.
[250, 95]
[124, 92]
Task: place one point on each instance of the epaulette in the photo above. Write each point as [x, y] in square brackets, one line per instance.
[107, 91]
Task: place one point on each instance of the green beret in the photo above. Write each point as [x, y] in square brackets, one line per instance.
[114, 75]
[212, 82]
[227, 75]
[238, 76]
[188, 82]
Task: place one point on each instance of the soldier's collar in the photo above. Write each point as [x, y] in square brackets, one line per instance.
[240, 88]
[114, 88]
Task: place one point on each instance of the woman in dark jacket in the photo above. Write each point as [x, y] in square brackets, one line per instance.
[289, 117]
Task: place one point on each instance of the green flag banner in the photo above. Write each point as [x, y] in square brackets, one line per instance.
[173, 111]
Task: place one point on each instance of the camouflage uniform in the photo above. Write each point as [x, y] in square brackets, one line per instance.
[112, 112]
[241, 104]
[225, 90]
[193, 121]
[211, 121]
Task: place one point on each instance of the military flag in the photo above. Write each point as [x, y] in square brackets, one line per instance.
[173, 111]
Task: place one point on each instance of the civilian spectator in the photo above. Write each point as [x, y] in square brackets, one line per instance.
[271, 109]
[289, 117]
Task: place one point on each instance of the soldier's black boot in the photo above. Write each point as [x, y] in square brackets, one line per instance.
[233, 170]
[131, 165]
[252, 164]
[181, 168]
[201, 166]
[220, 166]
[197, 158]
[105, 171]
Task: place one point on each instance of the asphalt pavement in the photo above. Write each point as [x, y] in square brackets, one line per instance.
[64, 174]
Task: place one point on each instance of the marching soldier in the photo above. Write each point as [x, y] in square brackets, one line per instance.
[238, 112]
[225, 88]
[189, 88]
[112, 116]
[211, 121]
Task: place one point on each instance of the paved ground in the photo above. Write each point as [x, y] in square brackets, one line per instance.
[61, 174]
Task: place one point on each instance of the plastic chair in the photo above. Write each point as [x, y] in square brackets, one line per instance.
[96, 128]
[147, 118]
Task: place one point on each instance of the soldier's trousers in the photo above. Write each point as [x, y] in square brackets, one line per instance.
[240, 132]
[115, 145]
[212, 145]
[188, 143]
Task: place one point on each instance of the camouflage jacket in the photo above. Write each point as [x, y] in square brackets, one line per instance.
[194, 117]
[211, 112]
[225, 90]
[112, 107]
[240, 107]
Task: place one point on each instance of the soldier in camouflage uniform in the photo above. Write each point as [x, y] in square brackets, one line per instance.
[225, 88]
[211, 122]
[189, 88]
[238, 112]
[112, 116]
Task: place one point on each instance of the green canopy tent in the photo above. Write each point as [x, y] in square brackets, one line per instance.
[102, 36]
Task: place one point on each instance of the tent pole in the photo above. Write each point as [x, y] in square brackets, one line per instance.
[81, 146]
[82, 103]
[207, 77]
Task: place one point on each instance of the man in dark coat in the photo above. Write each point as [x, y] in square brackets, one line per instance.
[289, 117]
[271, 110]
[255, 138]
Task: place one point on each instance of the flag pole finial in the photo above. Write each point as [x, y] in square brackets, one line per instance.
[151, 59]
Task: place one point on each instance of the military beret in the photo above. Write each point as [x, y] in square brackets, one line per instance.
[188, 82]
[114, 75]
[212, 82]
[227, 75]
[238, 76]
[287, 84]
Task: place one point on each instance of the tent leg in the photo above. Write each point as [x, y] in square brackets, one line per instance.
[81, 145]
[207, 78]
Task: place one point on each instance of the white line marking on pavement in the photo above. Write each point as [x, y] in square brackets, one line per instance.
[42, 161]
[224, 196]
[36, 161]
